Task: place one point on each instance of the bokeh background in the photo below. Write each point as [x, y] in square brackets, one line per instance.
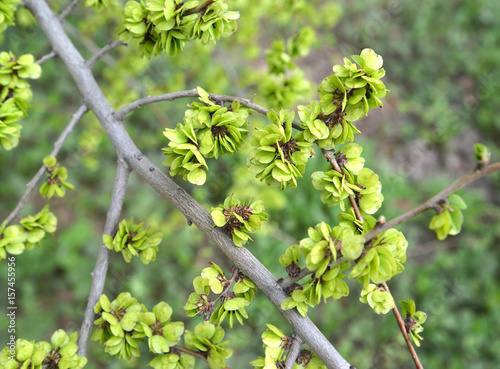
[442, 61]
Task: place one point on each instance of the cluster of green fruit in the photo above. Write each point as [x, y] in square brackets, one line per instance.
[449, 217]
[167, 25]
[363, 184]
[285, 83]
[55, 184]
[413, 320]
[132, 240]
[14, 239]
[231, 303]
[60, 353]
[329, 251]
[382, 258]
[7, 10]
[15, 94]
[278, 157]
[99, 4]
[124, 322]
[239, 218]
[276, 343]
[209, 131]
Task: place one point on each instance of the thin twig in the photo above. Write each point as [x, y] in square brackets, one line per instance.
[57, 146]
[293, 352]
[127, 109]
[110, 46]
[433, 201]
[101, 266]
[401, 324]
[46, 57]
[199, 8]
[329, 155]
[68, 9]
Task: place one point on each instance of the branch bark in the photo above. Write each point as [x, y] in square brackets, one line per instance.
[293, 352]
[98, 55]
[101, 266]
[68, 9]
[127, 109]
[401, 325]
[433, 201]
[57, 146]
[192, 210]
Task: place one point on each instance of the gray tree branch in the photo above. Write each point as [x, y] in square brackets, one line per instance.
[57, 146]
[293, 352]
[127, 109]
[192, 210]
[68, 9]
[101, 266]
[98, 55]
[434, 200]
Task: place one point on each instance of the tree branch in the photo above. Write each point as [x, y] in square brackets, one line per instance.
[401, 324]
[169, 190]
[57, 146]
[68, 9]
[127, 109]
[433, 201]
[329, 156]
[199, 8]
[293, 352]
[46, 57]
[110, 46]
[101, 266]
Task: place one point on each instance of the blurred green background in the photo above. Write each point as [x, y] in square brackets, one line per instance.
[442, 62]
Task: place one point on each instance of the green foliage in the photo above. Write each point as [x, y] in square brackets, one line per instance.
[208, 338]
[276, 343]
[55, 184]
[15, 94]
[210, 130]
[231, 304]
[60, 353]
[356, 88]
[167, 25]
[314, 127]
[7, 10]
[286, 83]
[239, 218]
[99, 4]
[335, 187]
[279, 158]
[382, 259]
[132, 240]
[329, 251]
[124, 322]
[482, 154]
[160, 331]
[413, 320]
[449, 217]
[350, 221]
[378, 298]
[173, 361]
[14, 239]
